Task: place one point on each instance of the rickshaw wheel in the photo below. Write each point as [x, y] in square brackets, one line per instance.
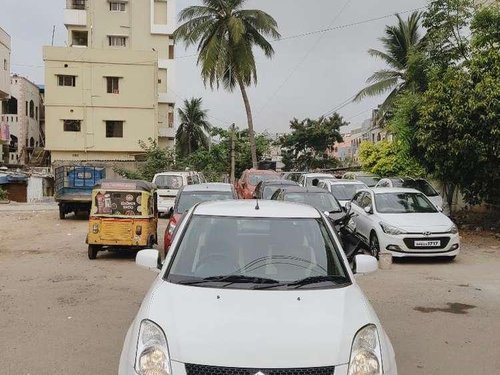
[92, 252]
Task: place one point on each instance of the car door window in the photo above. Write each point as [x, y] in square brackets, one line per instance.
[358, 198]
[366, 200]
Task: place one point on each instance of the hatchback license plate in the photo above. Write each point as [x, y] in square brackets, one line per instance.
[435, 243]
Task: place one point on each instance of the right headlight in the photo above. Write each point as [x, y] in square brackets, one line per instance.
[453, 229]
[391, 229]
[152, 356]
[366, 357]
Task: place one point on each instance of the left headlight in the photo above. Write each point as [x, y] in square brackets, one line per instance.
[391, 229]
[453, 229]
[152, 356]
[366, 357]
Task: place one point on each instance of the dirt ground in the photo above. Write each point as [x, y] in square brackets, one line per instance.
[61, 313]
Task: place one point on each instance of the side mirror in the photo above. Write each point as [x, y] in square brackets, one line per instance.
[365, 264]
[368, 210]
[170, 213]
[148, 259]
[439, 208]
[347, 206]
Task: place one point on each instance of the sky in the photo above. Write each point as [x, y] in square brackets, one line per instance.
[309, 75]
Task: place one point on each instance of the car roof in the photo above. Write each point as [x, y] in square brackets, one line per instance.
[381, 190]
[176, 173]
[262, 171]
[319, 175]
[344, 182]
[249, 208]
[278, 183]
[302, 189]
[212, 186]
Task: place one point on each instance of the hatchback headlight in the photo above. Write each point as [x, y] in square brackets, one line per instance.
[152, 356]
[453, 229]
[366, 357]
[391, 229]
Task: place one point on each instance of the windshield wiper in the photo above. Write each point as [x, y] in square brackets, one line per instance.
[231, 279]
[318, 279]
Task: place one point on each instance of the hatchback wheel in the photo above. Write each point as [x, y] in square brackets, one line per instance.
[374, 245]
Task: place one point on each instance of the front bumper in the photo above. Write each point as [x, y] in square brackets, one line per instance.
[402, 245]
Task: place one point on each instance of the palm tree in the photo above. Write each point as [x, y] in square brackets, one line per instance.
[399, 43]
[193, 128]
[226, 34]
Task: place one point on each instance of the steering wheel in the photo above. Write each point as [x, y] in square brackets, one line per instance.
[215, 265]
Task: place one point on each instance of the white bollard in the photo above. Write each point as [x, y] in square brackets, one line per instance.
[385, 260]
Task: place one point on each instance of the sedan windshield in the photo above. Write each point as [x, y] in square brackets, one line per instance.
[345, 192]
[421, 185]
[321, 201]
[188, 200]
[257, 253]
[369, 181]
[398, 203]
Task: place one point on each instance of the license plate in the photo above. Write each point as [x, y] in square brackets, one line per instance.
[432, 243]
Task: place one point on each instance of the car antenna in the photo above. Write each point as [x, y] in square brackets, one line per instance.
[257, 204]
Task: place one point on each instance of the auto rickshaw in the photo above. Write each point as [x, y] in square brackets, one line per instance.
[123, 215]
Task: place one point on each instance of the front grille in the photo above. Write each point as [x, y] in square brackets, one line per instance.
[214, 370]
[410, 242]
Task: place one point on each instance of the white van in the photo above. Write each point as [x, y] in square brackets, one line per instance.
[169, 183]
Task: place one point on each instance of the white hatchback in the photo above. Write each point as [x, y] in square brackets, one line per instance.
[404, 222]
[256, 288]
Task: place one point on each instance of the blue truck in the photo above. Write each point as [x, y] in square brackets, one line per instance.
[73, 187]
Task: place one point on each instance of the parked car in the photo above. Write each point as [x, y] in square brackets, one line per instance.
[368, 179]
[250, 178]
[312, 179]
[343, 190]
[247, 302]
[189, 196]
[403, 222]
[414, 183]
[169, 183]
[292, 176]
[313, 196]
[266, 189]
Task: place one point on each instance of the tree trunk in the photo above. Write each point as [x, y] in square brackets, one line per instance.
[251, 133]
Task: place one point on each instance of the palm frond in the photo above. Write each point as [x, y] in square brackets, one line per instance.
[376, 88]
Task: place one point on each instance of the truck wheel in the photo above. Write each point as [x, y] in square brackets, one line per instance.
[92, 252]
[62, 215]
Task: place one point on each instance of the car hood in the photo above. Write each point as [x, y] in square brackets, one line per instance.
[267, 329]
[419, 222]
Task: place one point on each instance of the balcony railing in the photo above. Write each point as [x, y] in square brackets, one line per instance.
[77, 4]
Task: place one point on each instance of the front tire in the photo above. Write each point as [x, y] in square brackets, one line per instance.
[62, 214]
[92, 252]
[374, 245]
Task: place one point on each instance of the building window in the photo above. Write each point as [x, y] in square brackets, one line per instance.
[72, 125]
[78, 4]
[114, 129]
[36, 113]
[171, 119]
[80, 38]
[117, 41]
[171, 52]
[113, 85]
[32, 109]
[26, 109]
[4, 64]
[117, 6]
[66, 80]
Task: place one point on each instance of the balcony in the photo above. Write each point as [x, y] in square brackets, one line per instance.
[75, 13]
[166, 132]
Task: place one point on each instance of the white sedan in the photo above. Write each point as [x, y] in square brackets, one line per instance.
[256, 288]
[403, 222]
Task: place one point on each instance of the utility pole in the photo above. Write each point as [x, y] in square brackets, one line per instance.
[233, 161]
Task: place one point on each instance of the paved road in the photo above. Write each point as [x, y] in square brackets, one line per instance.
[63, 314]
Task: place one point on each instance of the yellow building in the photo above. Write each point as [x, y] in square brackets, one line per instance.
[111, 87]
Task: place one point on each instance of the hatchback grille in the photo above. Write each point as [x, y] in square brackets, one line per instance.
[214, 370]
[410, 242]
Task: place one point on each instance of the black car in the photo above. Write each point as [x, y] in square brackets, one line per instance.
[320, 199]
[265, 189]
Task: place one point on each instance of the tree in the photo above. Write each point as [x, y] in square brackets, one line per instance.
[226, 35]
[191, 134]
[156, 160]
[445, 40]
[399, 42]
[460, 113]
[307, 145]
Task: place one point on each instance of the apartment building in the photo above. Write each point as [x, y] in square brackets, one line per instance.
[111, 87]
[4, 65]
[21, 115]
